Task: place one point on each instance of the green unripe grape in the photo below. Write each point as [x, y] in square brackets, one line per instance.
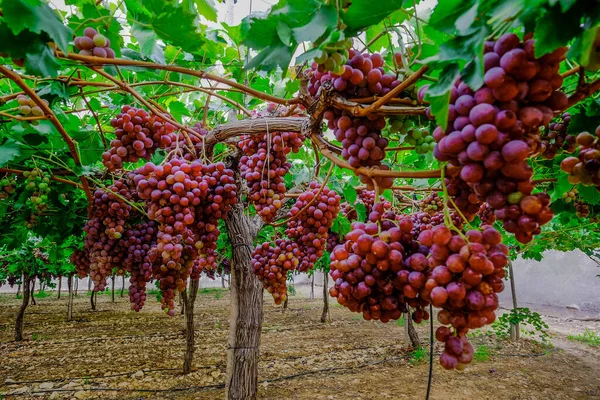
[46, 180]
[43, 186]
[100, 40]
[330, 64]
[37, 200]
[429, 139]
[322, 58]
[25, 110]
[348, 43]
[417, 134]
[26, 173]
[117, 235]
[340, 70]
[425, 132]
[34, 173]
[515, 197]
[37, 111]
[410, 140]
[4, 182]
[337, 57]
[44, 198]
[30, 186]
[23, 100]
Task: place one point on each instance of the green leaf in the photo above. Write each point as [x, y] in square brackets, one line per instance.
[448, 13]
[548, 37]
[284, 32]
[438, 96]
[364, 13]
[145, 37]
[207, 9]
[272, 57]
[349, 194]
[9, 151]
[341, 225]
[361, 211]
[323, 20]
[259, 31]
[35, 16]
[42, 63]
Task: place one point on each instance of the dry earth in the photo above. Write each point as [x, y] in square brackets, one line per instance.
[114, 353]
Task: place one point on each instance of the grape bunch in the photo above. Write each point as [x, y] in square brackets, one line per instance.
[464, 198]
[138, 135]
[432, 204]
[28, 107]
[582, 210]
[313, 214]
[38, 183]
[224, 267]
[138, 240]
[362, 76]
[585, 168]
[180, 146]
[80, 260]
[264, 165]
[335, 54]
[7, 186]
[186, 199]
[93, 43]
[423, 221]
[271, 264]
[362, 143]
[570, 196]
[494, 130]
[104, 231]
[555, 138]
[419, 137]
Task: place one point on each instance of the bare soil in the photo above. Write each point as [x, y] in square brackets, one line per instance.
[115, 353]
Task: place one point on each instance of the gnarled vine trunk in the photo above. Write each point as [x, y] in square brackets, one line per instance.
[246, 310]
[190, 344]
[32, 291]
[59, 286]
[93, 300]
[325, 312]
[21, 314]
[70, 302]
[123, 286]
[412, 332]
[113, 288]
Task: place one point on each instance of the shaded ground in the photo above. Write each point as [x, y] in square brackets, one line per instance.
[139, 355]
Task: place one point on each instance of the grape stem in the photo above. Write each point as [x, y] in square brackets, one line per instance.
[447, 219]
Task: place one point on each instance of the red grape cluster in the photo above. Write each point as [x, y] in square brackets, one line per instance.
[432, 204]
[362, 142]
[93, 43]
[313, 214]
[465, 276]
[362, 76]
[462, 194]
[138, 240]
[308, 234]
[264, 165]
[179, 146]
[381, 269]
[585, 168]
[105, 229]
[138, 135]
[582, 210]
[423, 221]
[80, 260]
[492, 131]
[555, 138]
[186, 199]
[271, 265]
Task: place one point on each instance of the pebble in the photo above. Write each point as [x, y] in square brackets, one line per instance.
[47, 385]
[138, 375]
[20, 390]
[80, 395]
[573, 307]
[54, 395]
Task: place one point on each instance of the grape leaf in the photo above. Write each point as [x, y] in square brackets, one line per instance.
[272, 57]
[35, 16]
[145, 37]
[323, 20]
[438, 96]
[207, 9]
[9, 151]
[448, 13]
[547, 37]
[364, 13]
[42, 62]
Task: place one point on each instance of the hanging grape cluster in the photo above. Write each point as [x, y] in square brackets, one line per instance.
[382, 269]
[432, 203]
[80, 260]
[138, 135]
[93, 43]
[335, 54]
[186, 199]
[138, 240]
[7, 186]
[585, 168]
[555, 138]
[419, 137]
[264, 165]
[28, 107]
[38, 183]
[308, 232]
[492, 131]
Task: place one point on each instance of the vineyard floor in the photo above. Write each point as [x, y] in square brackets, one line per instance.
[138, 356]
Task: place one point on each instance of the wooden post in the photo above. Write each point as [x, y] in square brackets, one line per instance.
[76, 285]
[21, 314]
[59, 286]
[123, 286]
[189, 299]
[223, 281]
[19, 288]
[70, 302]
[515, 330]
[312, 287]
[89, 284]
[406, 316]
[325, 313]
[241, 382]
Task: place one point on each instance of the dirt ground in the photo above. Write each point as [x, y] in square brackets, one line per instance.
[114, 353]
